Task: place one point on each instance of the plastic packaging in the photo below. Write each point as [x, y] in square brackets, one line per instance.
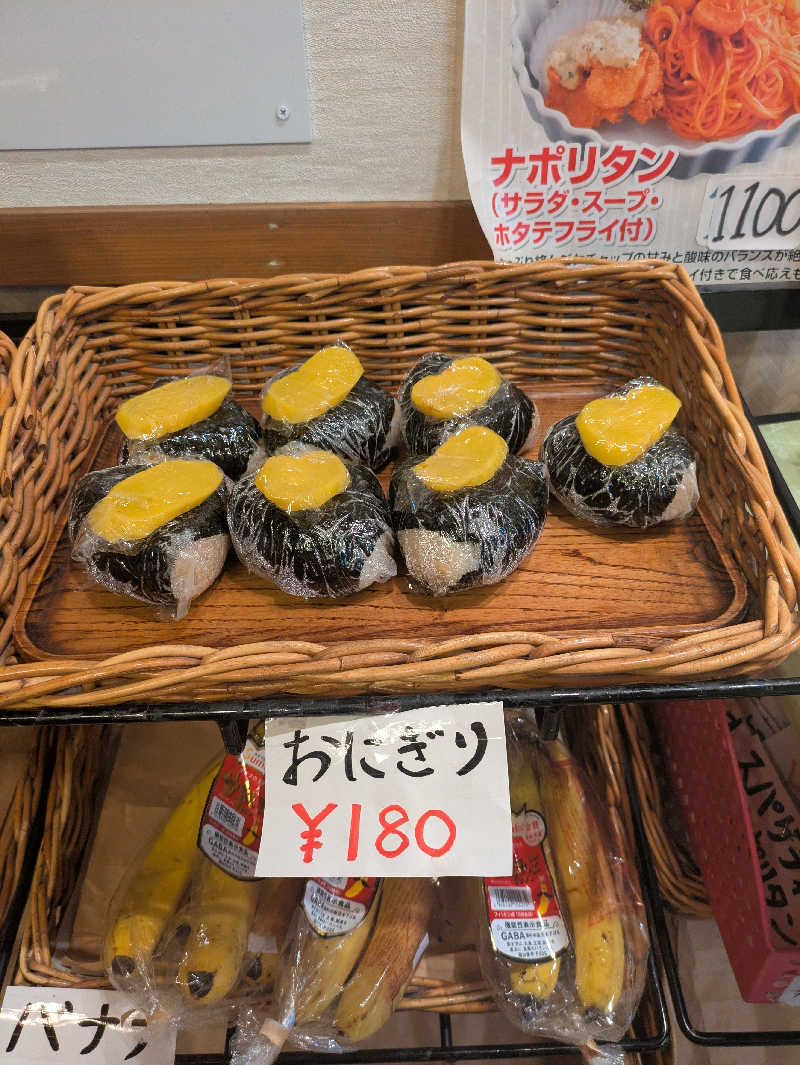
[229, 436]
[471, 536]
[563, 942]
[332, 550]
[185, 937]
[352, 951]
[361, 428]
[509, 412]
[659, 486]
[170, 566]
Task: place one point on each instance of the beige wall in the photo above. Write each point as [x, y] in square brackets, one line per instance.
[385, 86]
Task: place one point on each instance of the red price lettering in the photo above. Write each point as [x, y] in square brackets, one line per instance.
[391, 829]
[390, 842]
[419, 833]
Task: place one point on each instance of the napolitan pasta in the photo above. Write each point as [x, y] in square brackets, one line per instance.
[710, 68]
[729, 66]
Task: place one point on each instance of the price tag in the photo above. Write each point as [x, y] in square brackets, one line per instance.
[748, 214]
[70, 1026]
[420, 793]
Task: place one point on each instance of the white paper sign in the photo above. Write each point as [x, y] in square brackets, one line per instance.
[70, 1026]
[748, 213]
[419, 793]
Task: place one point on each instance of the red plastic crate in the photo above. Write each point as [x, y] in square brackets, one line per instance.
[699, 753]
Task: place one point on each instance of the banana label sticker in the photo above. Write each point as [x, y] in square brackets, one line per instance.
[524, 915]
[335, 905]
[230, 830]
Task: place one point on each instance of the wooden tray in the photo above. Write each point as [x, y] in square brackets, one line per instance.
[712, 598]
[670, 580]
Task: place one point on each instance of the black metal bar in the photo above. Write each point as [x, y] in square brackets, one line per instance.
[369, 704]
[445, 1031]
[234, 733]
[663, 944]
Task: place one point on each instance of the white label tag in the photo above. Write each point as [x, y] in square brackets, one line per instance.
[749, 214]
[70, 1027]
[420, 793]
[791, 993]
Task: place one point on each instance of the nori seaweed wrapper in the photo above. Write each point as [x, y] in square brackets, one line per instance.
[361, 428]
[329, 551]
[496, 523]
[143, 569]
[660, 485]
[509, 412]
[229, 437]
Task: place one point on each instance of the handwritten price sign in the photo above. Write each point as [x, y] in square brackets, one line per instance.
[420, 793]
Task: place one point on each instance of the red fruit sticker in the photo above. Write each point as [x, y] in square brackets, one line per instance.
[230, 829]
[524, 915]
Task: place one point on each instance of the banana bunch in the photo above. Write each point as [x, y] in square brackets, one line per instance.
[584, 876]
[583, 971]
[184, 925]
[155, 891]
[382, 975]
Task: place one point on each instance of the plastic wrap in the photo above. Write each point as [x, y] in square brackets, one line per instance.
[333, 550]
[187, 939]
[469, 537]
[659, 486]
[168, 568]
[362, 428]
[563, 941]
[229, 436]
[334, 989]
[509, 412]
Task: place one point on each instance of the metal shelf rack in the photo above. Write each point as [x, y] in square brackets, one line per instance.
[232, 718]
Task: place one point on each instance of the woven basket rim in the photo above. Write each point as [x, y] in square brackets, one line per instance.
[176, 672]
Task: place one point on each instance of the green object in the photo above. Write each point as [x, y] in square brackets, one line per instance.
[783, 440]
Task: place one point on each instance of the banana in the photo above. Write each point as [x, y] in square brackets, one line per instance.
[276, 905]
[156, 888]
[540, 978]
[322, 964]
[585, 881]
[213, 928]
[382, 975]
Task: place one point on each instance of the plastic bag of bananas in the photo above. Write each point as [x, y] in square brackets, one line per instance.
[187, 939]
[349, 956]
[563, 940]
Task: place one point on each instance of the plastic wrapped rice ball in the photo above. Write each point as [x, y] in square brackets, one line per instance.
[439, 396]
[155, 533]
[469, 514]
[328, 403]
[312, 524]
[190, 417]
[618, 462]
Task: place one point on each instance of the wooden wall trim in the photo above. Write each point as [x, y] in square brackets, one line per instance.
[60, 246]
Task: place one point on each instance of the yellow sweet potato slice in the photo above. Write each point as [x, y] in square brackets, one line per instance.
[465, 460]
[465, 385]
[618, 429]
[171, 407]
[145, 501]
[319, 384]
[302, 482]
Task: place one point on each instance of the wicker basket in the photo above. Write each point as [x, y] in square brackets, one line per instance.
[17, 823]
[569, 321]
[79, 773]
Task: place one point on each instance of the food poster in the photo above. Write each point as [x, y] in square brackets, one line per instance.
[634, 129]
